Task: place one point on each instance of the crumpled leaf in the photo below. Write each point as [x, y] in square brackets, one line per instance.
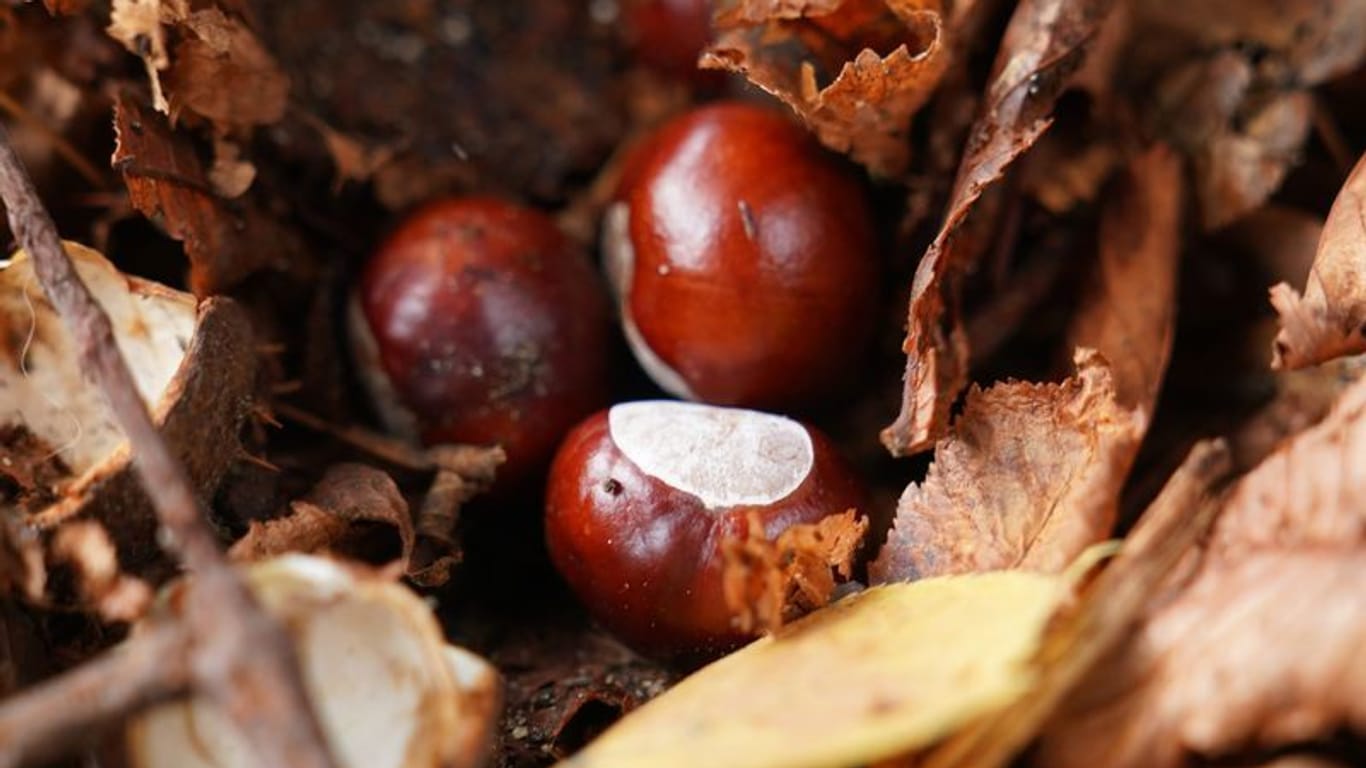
[1044, 45]
[219, 71]
[1227, 81]
[1129, 307]
[1029, 478]
[769, 583]
[1264, 652]
[870, 677]
[1084, 631]
[889, 56]
[340, 514]
[168, 184]
[1306, 494]
[1329, 320]
[1263, 648]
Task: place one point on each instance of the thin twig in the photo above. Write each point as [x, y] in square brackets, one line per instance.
[72, 710]
[242, 659]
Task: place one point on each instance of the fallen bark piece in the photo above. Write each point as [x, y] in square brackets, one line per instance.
[1329, 319]
[389, 692]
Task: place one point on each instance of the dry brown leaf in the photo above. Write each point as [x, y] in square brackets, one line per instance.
[168, 184]
[791, 49]
[1328, 321]
[1262, 653]
[340, 514]
[1084, 631]
[769, 583]
[1029, 478]
[1227, 86]
[1044, 45]
[219, 70]
[1128, 309]
[1307, 494]
[222, 72]
[1263, 649]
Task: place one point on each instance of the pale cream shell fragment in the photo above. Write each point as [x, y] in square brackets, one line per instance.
[388, 689]
[193, 362]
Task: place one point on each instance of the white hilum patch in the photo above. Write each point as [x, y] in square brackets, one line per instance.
[724, 456]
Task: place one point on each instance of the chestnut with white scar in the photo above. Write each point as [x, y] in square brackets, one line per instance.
[642, 495]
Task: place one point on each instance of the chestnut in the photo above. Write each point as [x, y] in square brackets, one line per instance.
[476, 321]
[669, 36]
[641, 497]
[744, 261]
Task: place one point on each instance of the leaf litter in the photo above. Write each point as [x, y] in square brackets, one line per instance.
[1225, 626]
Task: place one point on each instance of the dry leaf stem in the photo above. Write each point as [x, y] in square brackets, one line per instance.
[239, 657]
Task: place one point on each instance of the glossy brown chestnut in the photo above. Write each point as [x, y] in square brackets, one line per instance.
[642, 495]
[670, 35]
[744, 260]
[477, 322]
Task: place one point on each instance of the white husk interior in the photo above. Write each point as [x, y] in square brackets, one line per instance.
[48, 392]
[388, 690]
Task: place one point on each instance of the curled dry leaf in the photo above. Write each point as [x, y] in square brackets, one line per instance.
[193, 364]
[1263, 648]
[1128, 309]
[875, 675]
[769, 583]
[218, 70]
[1264, 652]
[388, 690]
[1029, 478]
[221, 72]
[1227, 80]
[1085, 630]
[343, 513]
[169, 185]
[1307, 494]
[1044, 45]
[1329, 320]
[885, 56]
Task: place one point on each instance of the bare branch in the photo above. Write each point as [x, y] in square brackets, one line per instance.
[72, 710]
[241, 658]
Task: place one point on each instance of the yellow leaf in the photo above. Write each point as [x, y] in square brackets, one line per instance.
[876, 675]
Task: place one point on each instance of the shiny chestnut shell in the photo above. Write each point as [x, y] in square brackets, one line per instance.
[744, 259]
[485, 326]
[644, 555]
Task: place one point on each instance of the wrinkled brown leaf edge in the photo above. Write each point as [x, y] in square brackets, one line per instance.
[865, 112]
[346, 504]
[1029, 478]
[1297, 512]
[1044, 45]
[1104, 613]
[768, 583]
[1329, 320]
[219, 69]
